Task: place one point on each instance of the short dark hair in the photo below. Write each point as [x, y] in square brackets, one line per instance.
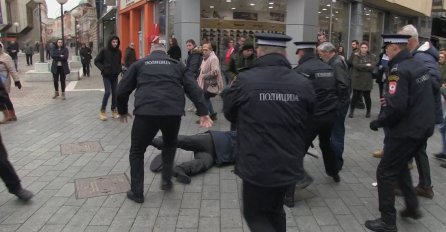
[365, 43]
[355, 41]
[191, 41]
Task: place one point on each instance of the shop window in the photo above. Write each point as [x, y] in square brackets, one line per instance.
[373, 21]
[333, 22]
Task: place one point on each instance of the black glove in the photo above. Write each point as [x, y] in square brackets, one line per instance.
[374, 125]
[18, 84]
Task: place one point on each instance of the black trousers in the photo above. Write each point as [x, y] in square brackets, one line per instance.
[29, 59]
[393, 170]
[357, 94]
[204, 152]
[59, 73]
[86, 68]
[7, 172]
[263, 207]
[143, 131]
[8, 104]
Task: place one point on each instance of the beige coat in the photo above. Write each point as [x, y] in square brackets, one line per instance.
[7, 66]
[210, 65]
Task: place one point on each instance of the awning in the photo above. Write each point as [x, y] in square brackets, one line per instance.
[109, 16]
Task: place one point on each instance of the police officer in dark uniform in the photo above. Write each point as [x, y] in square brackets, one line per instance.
[271, 105]
[407, 97]
[160, 84]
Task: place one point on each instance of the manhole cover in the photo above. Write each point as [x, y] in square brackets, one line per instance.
[80, 148]
[101, 185]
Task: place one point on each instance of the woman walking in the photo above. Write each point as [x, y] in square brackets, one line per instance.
[363, 64]
[86, 57]
[174, 50]
[59, 67]
[7, 71]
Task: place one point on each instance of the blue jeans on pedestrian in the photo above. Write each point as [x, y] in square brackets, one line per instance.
[338, 134]
[110, 84]
[15, 64]
[209, 105]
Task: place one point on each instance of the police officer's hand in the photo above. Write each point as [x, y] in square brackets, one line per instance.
[383, 101]
[374, 125]
[206, 121]
[123, 117]
[18, 84]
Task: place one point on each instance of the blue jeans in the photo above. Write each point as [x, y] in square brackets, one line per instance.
[209, 105]
[15, 64]
[338, 134]
[110, 84]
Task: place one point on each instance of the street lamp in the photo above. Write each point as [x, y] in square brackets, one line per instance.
[61, 2]
[76, 14]
[16, 25]
[42, 56]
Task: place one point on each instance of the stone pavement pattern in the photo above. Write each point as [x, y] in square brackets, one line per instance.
[210, 203]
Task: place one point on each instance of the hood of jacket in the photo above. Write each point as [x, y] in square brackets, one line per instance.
[109, 43]
[427, 48]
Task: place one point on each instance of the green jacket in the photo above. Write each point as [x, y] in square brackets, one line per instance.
[237, 62]
[361, 72]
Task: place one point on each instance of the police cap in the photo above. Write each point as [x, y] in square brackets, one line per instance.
[395, 39]
[304, 45]
[270, 39]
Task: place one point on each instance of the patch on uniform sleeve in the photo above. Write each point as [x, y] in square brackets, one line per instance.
[392, 87]
[393, 78]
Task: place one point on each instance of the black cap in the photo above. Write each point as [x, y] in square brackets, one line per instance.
[248, 46]
[395, 39]
[303, 45]
[270, 39]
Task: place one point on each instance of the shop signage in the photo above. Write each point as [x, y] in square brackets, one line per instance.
[245, 25]
[245, 16]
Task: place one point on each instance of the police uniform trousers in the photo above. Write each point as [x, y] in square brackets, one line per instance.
[322, 126]
[393, 170]
[263, 207]
[204, 152]
[143, 131]
[7, 172]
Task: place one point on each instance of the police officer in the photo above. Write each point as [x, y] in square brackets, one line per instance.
[270, 104]
[160, 84]
[407, 98]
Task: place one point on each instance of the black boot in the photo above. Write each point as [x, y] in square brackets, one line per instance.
[24, 195]
[181, 175]
[379, 225]
[367, 115]
[415, 214]
[131, 196]
[166, 185]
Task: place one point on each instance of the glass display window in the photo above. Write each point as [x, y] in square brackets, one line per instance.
[334, 22]
[373, 21]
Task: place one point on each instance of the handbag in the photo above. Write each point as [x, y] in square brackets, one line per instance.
[210, 86]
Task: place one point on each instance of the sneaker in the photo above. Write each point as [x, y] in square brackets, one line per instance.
[102, 115]
[414, 214]
[24, 195]
[378, 153]
[181, 175]
[424, 192]
[131, 196]
[115, 114]
[440, 156]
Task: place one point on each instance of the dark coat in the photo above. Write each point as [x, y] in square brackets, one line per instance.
[13, 49]
[361, 73]
[174, 52]
[409, 100]
[62, 56]
[238, 62]
[160, 83]
[193, 62]
[85, 54]
[340, 68]
[129, 56]
[225, 145]
[108, 60]
[270, 104]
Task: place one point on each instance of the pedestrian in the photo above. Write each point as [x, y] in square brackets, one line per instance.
[426, 54]
[270, 104]
[194, 58]
[86, 57]
[59, 67]
[13, 50]
[238, 61]
[29, 51]
[228, 55]
[210, 70]
[442, 67]
[407, 98]
[7, 172]
[7, 72]
[363, 64]
[129, 55]
[240, 42]
[161, 83]
[108, 62]
[48, 47]
[355, 50]
[327, 53]
[210, 148]
[174, 50]
[324, 83]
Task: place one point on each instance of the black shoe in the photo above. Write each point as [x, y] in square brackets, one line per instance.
[288, 201]
[158, 142]
[131, 196]
[440, 156]
[166, 185]
[379, 225]
[181, 175]
[367, 115]
[350, 115]
[336, 178]
[414, 214]
[24, 195]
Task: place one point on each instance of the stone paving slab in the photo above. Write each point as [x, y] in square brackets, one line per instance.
[210, 203]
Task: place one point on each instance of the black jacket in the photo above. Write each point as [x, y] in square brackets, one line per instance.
[85, 54]
[13, 49]
[160, 84]
[324, 83]
[340, 68]
[62, 56]
[174, 52]
[409, 110]
[109, 60]
[129, 56]
[270, 104]
[193, 61]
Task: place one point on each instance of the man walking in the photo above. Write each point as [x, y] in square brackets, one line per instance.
[160, 83]
[13, 50]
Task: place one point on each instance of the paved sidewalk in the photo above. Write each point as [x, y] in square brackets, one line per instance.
[210, 203]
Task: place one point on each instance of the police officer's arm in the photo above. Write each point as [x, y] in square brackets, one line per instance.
[397, 99]
[341, 76]
[99, 60]
[125, 88]
[233, 99]
[194, 92]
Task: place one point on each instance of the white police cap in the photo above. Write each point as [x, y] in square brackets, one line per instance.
[270, 39]
[395, 39]
[304, 45]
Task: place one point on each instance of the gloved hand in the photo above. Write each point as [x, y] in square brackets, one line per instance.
[374, 125]
[18, 84]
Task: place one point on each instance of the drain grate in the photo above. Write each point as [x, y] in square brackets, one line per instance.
[101, 186]
[80, 148]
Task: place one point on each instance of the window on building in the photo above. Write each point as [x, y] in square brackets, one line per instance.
[373, 21]
[333, 22]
